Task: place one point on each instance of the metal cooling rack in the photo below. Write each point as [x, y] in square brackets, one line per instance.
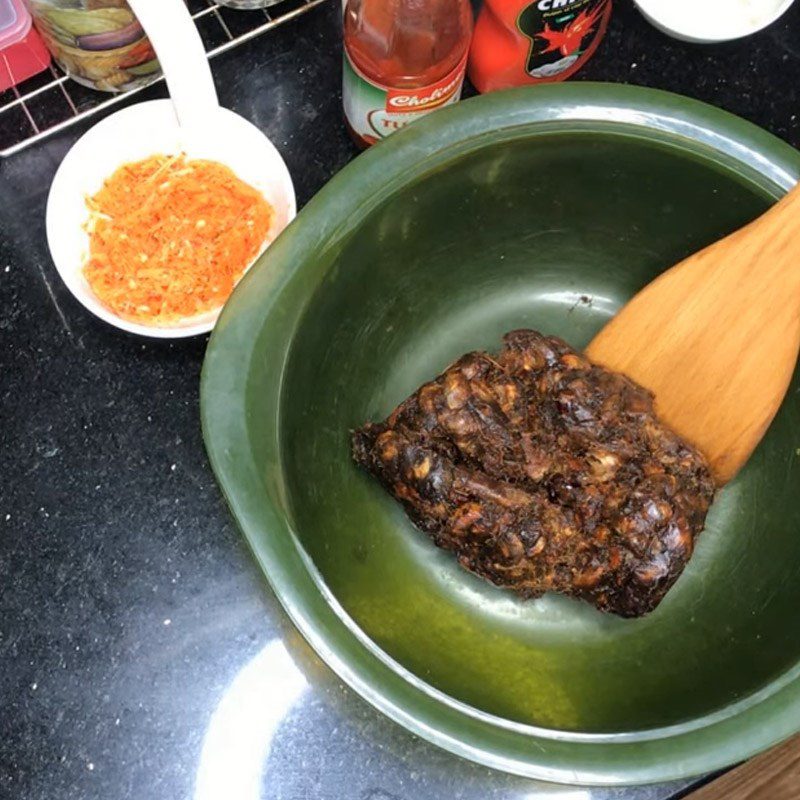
[50, 101]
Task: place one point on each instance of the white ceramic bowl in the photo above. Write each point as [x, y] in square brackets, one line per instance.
[133, 134]
[732, 26]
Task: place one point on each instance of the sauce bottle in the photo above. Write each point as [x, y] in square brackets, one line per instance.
[402, 59]
[520, 42]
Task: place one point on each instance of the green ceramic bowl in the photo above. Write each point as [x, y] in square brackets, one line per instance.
[545, 208]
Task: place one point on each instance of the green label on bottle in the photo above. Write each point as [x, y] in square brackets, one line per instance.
[374, 111]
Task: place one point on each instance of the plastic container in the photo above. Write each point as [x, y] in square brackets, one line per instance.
[520, 42]
[22, 52]
[98, 43]
[402, 60]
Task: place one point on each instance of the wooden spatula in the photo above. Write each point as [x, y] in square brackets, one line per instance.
[716, 338]
[771, 776]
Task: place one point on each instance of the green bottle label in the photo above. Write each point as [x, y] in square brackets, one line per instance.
[374, 111]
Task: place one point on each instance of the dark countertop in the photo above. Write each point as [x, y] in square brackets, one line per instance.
[142, 655]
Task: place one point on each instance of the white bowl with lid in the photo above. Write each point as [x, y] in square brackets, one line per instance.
[710, 21]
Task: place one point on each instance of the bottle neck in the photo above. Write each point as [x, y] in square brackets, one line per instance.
[407, 45]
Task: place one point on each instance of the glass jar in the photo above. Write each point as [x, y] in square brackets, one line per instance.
[98, 43]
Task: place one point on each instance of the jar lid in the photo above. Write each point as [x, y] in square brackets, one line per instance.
[15, 22]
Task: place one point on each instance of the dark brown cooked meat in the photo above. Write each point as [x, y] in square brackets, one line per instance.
[544, 472]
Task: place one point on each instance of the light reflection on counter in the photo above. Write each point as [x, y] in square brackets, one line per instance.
[274, 734]
[242, 727]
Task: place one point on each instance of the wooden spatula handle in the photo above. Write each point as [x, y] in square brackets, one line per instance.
[772, 776]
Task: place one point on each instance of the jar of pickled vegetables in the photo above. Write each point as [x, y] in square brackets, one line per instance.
[98, 43]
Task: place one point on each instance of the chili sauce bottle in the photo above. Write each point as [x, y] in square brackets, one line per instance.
[402, 60]
[520, 42]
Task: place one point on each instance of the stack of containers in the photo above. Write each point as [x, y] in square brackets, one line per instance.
[22, 52]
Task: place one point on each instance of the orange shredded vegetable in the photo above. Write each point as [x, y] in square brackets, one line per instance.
[170, 237]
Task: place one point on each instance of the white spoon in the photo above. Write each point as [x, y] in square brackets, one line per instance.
[193, 122]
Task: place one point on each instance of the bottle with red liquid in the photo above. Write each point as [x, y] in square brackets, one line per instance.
[522, 42]
[402, 60]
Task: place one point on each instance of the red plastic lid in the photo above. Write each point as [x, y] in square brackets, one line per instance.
[15, 22]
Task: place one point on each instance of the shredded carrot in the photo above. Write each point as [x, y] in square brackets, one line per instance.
[170, 237]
